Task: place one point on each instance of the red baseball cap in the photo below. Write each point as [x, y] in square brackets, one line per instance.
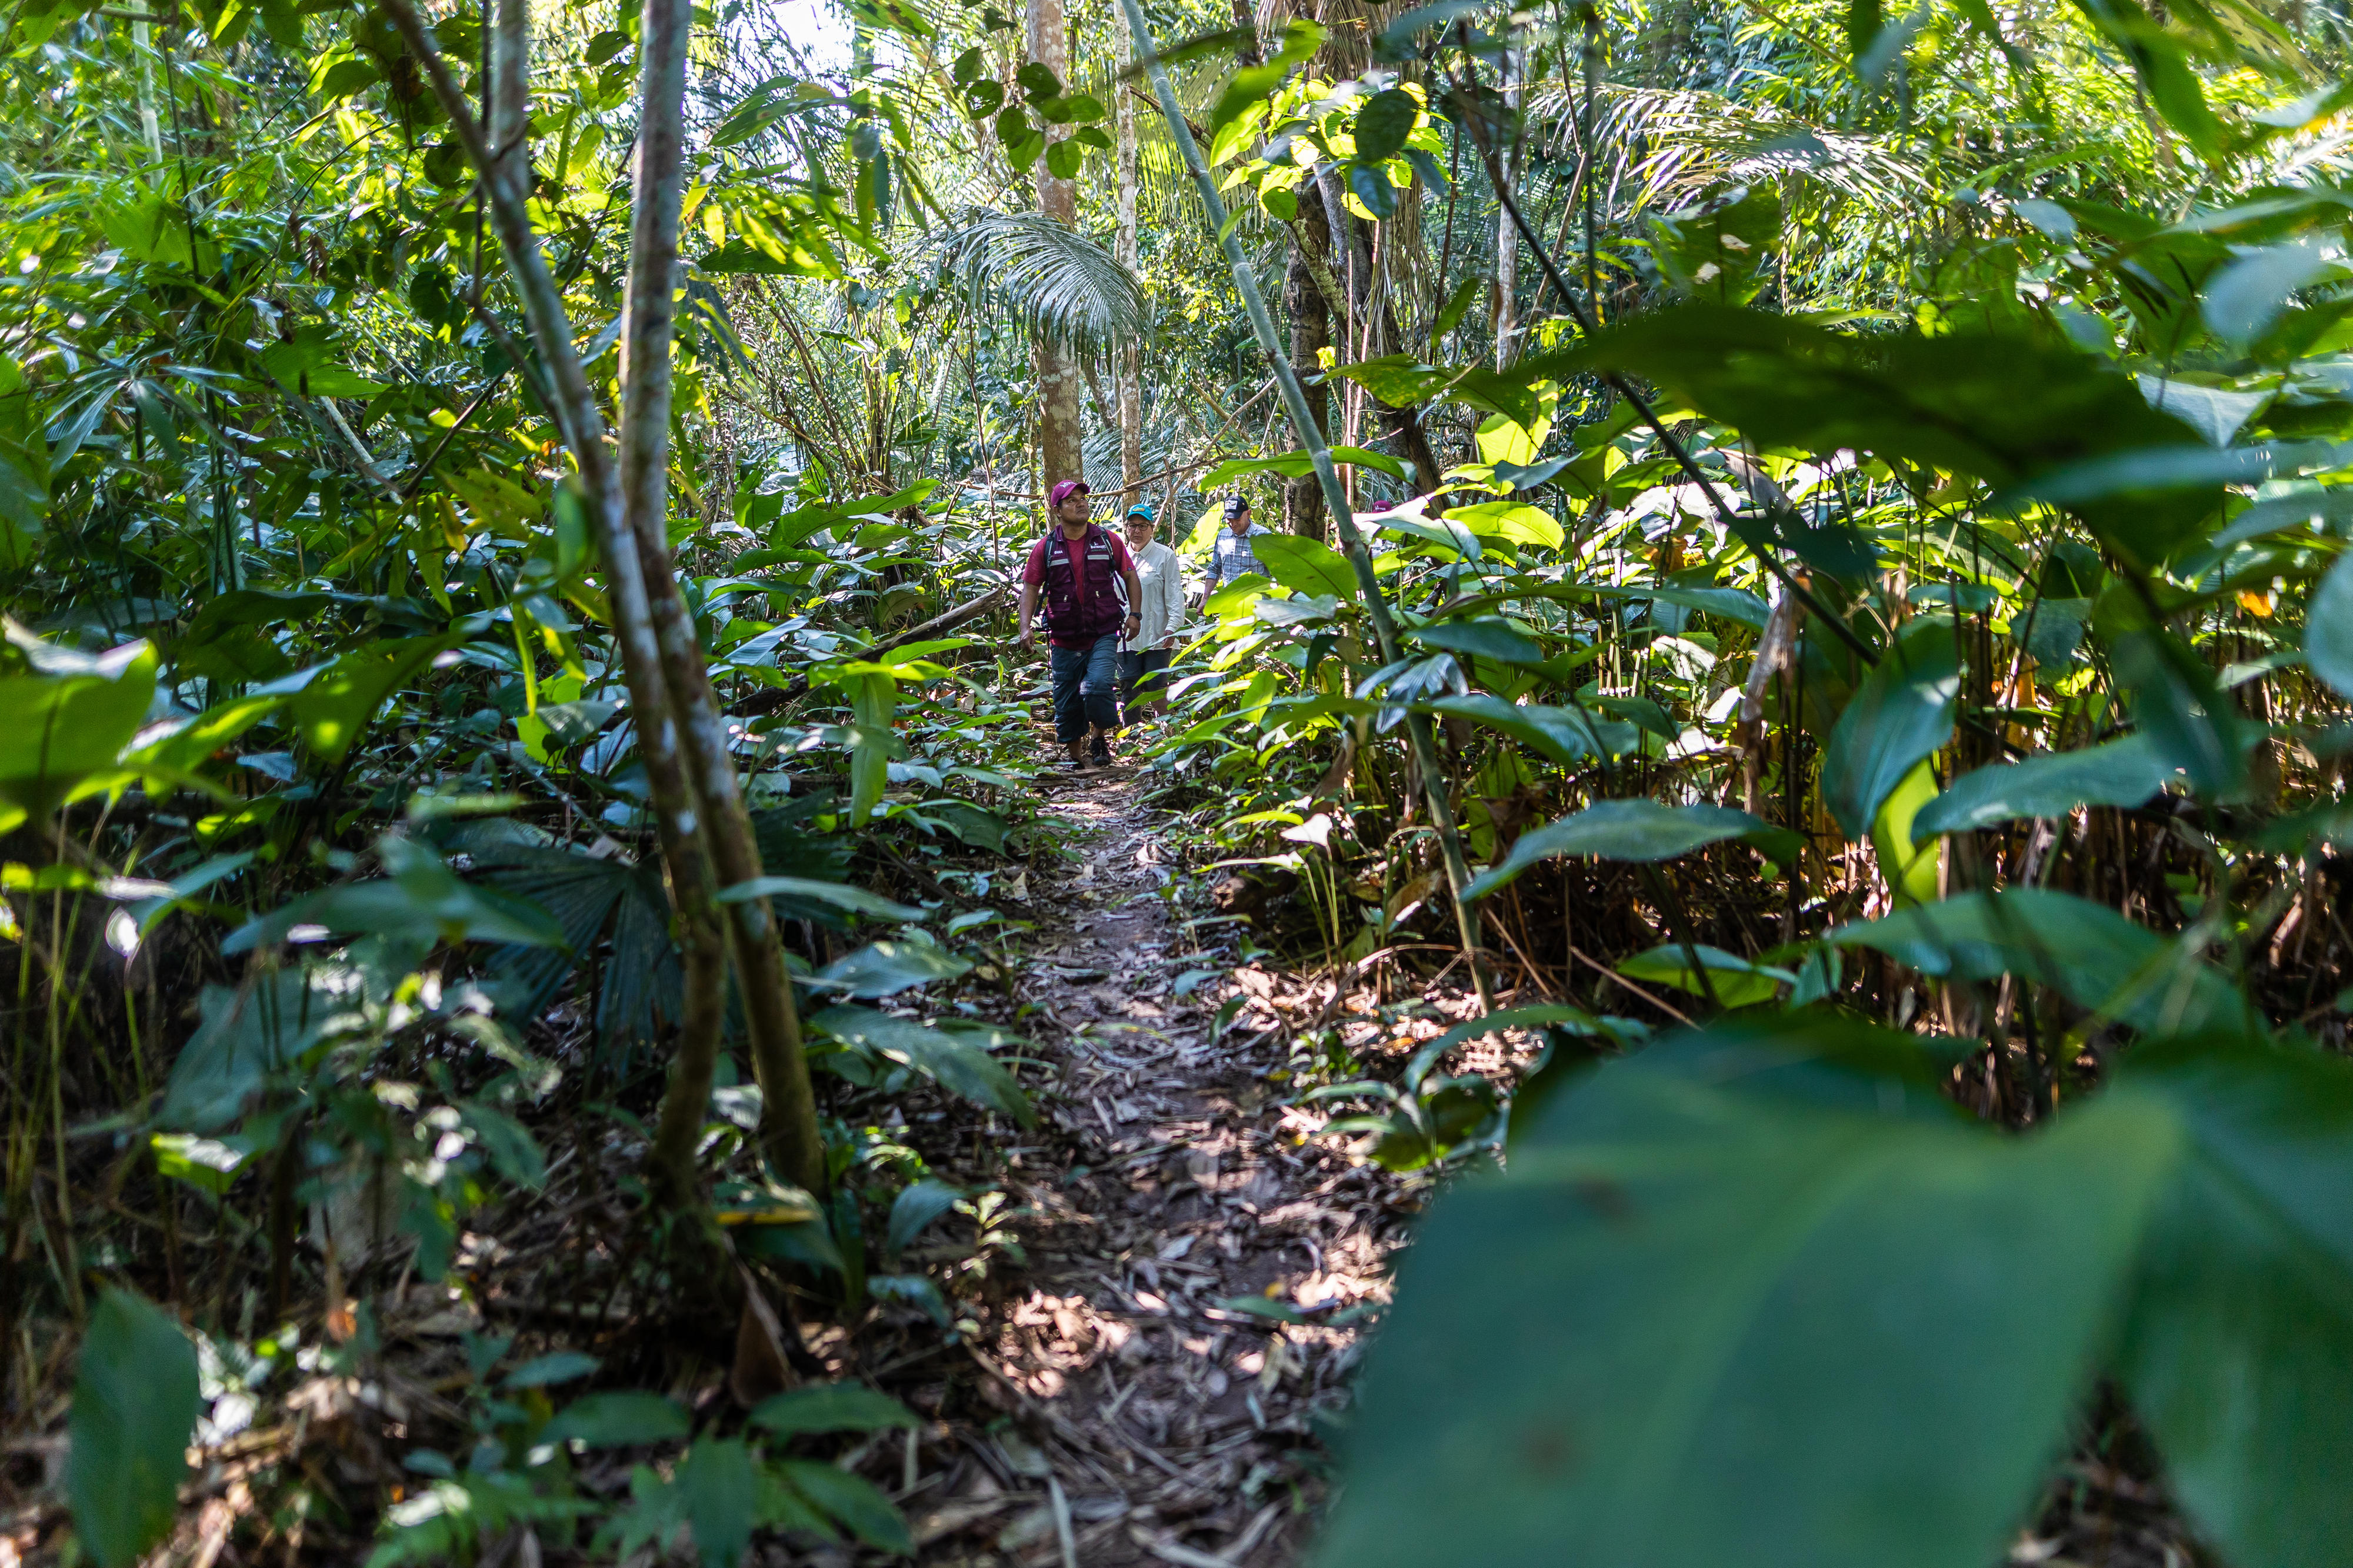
[1064, 492]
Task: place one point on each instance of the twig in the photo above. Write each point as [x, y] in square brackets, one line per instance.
[1062, 1531]
[1604, 969]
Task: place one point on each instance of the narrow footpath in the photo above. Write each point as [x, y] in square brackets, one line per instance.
[1168, 1356]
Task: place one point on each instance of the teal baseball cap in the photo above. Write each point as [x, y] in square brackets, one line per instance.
[1144, 511]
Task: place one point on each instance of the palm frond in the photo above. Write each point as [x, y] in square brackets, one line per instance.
[1664, 145]
[1051, 279]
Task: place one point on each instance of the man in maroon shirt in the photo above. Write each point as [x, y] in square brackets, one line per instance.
[1088, 582]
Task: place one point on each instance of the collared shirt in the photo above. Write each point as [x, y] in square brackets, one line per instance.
[1230, 556]
[1162, 577]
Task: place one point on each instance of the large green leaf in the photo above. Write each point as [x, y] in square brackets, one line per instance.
[1297, 466]
[2118, 773]
[1997, 408]
[832, 1407]
[25, 463]
[873, 699]
[248, 1033]
[1569, 736]
[1514, 520]
[422, 901]
[2086, 951]
[333, 706]
[1909, 868]
[135, 1402]
[618, 1420]
[176, 752]
[1306, 565]
[851, 1501]
[2328, 628]
[1637, 829]
[833, 895]
[1901, 714]
[1733, 604]
[1489, 637]
[975, 825]
[886, 968]
[1736, 982]
[67, 720]
[1726, 1312]
[957, 1060]
[2236, 1353]
[2188, 717]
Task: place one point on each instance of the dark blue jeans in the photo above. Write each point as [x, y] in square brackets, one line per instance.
[1086, 688]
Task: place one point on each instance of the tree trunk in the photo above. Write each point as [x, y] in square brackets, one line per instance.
[1310, 334]
[644, 438]
[504, 169]
[1131, 356]
[788, 1118]
[1514, 71]
[689, 769]
[1056, 366]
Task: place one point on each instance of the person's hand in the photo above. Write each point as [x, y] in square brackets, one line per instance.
[1028, 637]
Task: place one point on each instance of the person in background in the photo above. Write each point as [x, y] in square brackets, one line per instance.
[1160, 610]
[1089, 584]
[1230, 555]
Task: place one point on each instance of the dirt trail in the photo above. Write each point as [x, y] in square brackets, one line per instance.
[1151, 1423]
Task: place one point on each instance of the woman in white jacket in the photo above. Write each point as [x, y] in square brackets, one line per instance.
[1161, 613]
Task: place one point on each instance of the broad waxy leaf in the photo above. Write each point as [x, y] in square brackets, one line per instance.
[851, 1500]
[1909, 869]
[915, 1209]
[717, 1489]
[66, 721]
[1489, 638]
[2328, 628]
[1514, 520]
[833, 895]
[2233, 1353]
[334, 706]
[873, 698]
[1384, 123]
[2191, 723]
[250, 1032]
[1632, 830]
[1732, 604]
[1735, 981]
[955, 1058]
[136, 1400]
[1298, 465]
[422, 900]
[886, 968]
[1569, 736]
[1710, 1316]
[2086, 951]
[1902, 714]
[2125, 772]
[832, 1407]
[1997, 408]
[1307, 566]
[618, 1420]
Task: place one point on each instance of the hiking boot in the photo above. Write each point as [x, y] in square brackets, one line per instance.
[1100, 752]
[1077, 760]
